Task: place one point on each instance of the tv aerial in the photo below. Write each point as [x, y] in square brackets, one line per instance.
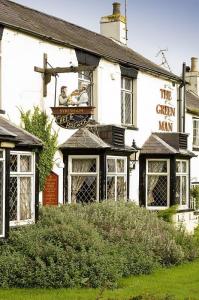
[164, 62]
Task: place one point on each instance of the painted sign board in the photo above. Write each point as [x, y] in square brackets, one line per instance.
[50, 193]
[72, 117]
[166, 110]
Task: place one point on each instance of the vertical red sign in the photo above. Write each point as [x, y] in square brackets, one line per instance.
[50, 193]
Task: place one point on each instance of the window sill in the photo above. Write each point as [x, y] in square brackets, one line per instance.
[195, 148]
[184, 210]
[131, 127]
[21, 223]
[156, 208]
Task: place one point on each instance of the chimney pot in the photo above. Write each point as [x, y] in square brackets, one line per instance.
[116, 8]
[194, 64]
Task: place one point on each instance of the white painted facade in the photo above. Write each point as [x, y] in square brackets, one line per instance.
[22, 88]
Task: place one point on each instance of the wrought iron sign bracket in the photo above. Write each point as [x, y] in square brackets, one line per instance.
[48, 72]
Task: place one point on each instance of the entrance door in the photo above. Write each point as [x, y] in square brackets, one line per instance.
[2, 193]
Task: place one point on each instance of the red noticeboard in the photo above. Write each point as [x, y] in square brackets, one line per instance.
[50, 193]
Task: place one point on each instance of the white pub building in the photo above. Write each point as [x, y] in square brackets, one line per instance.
[119, 117]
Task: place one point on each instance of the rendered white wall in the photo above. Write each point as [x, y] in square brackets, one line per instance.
[148, 97]
[113, 29]
[22, 87]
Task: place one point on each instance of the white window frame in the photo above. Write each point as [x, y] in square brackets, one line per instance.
[123, 93]
[19, 174]
[116, 174]
[2, 234]
[159, 174]
[181, 174]
[195, 136]
[71, 173]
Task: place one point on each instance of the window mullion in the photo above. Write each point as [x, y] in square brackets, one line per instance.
[18, 198]
[115, 187]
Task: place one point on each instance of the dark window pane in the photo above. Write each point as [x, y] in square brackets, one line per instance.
[157, 166]
[83, 189]
[83, 165]
[1, 197]
[120, 166]
[184, 190]
[111, 188]
[13, 198]
[25, 163]
[25, 198]
[111, 165]
[13, 163]
[121, 188]
[157, 190]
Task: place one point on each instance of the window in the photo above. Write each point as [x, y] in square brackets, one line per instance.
[157, 183]
[83, 179]
[116, 181]
[1, 55]
[2, 194]
[22, 201]
[126, 101]
[182, 182]
[85, 78]
[196, 132]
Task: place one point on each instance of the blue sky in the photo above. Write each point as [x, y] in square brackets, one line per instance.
[152, 24]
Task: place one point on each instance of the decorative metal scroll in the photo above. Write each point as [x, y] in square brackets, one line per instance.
[72, 117]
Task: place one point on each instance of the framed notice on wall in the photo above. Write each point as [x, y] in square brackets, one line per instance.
[50, 193]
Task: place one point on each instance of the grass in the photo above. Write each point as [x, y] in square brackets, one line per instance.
[181, 282]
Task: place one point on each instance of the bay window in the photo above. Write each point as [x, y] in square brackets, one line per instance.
[116, 181]
[157, 183]
[22, 195]
[2, 193]
[182, 182]
[83, 185]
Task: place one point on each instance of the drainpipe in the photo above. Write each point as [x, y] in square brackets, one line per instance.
[184, 95]
[182, 101]
[180, 108]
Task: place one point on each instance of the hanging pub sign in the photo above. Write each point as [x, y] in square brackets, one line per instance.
[72, 117]
[74, 110]
[166, 110]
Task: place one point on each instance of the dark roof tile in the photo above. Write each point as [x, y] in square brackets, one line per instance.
[192, 103]
[82, 139]
[9, 131]
[33, 22]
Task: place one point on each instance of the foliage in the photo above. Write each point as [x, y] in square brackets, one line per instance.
[195, 195]
[90, 246]
[38, 124]
[167, 214]
[151, 297]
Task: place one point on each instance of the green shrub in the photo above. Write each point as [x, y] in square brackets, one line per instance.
[90, 246]
[167, 214]
[195, 195]
[37, 122]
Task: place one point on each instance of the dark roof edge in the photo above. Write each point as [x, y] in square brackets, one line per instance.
[52, 40]
[193, 111]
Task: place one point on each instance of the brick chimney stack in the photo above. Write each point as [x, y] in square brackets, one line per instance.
[114, 26]
[192, 76]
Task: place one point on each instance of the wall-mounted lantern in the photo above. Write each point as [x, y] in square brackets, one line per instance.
[134, 157]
